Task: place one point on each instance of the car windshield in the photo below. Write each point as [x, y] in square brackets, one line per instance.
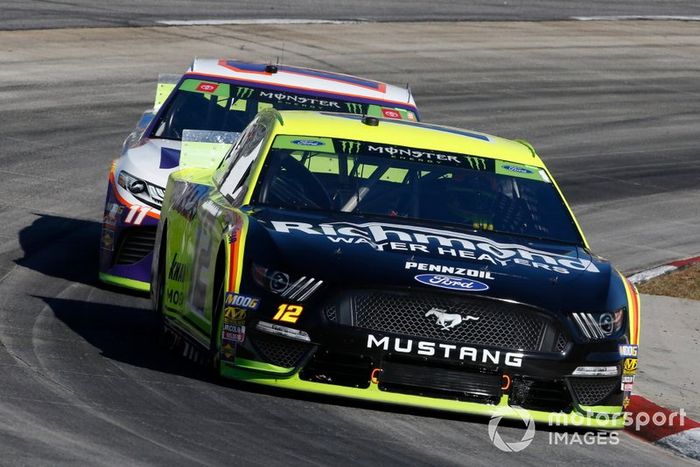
[218, 106]
[371, 179]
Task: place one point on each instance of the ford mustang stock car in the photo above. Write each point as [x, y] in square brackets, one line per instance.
[212, 95]
[394, 261]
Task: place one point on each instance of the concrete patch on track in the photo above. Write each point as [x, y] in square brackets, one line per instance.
[224, 22]
[670, 341]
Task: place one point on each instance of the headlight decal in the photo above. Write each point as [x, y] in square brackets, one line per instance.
[142, 190]
[599, 325]
[150, 212]
[279, 283]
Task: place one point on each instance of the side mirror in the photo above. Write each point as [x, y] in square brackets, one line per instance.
[204, 148]
[166, 84]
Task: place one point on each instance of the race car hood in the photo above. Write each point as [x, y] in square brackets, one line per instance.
[153, 160]
[360, 252]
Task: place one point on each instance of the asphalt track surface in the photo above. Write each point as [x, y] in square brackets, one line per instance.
[36, 14]
[612, 107]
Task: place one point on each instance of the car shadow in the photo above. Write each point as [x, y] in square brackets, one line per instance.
[126, 331]
[64, 248]
[129, 334]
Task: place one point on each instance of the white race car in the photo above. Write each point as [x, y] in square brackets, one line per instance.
[219, 96]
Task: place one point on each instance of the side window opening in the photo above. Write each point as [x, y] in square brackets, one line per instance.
[240, 161]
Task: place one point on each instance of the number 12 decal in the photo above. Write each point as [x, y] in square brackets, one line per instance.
[288, 313]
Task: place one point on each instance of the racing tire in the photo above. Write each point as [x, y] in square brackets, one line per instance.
[165, 338]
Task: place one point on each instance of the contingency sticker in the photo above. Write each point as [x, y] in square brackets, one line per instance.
[206, 87]
[518, 170]
[304, 143]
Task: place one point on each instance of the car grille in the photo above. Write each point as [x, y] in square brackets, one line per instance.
[500, 324]
[280, 351]
[561, 343]
[135, 245]
[592, 391]
[442, 382]
[338, 369]
[548, 396]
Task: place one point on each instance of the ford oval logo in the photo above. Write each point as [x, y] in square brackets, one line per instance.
[307, 142]
[520, 170]
[452, 282]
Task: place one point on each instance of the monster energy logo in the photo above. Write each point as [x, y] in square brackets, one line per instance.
[416, 154]
[476, 163]
[243, 93]
[354, 108]
[350, 147]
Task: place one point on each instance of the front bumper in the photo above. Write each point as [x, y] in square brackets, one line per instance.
[126, 242]
[343, 360]
[599, 417]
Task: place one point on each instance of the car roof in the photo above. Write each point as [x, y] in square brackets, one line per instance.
[418, 135]
[302, 78]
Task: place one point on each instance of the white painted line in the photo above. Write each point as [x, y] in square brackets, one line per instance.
[637, 18]
[651, 273]
[686, 443]
[220, 22]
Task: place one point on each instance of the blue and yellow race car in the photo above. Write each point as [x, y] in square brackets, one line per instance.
[394, 261]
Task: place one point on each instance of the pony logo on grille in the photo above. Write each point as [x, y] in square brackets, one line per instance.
[448, 321]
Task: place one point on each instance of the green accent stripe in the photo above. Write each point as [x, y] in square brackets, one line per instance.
[124, 282]
[373, 393]
[261, 366]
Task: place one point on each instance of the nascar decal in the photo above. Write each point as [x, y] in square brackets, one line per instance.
[394, 237]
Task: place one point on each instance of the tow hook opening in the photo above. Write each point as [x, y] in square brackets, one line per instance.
[506, 382]
[374, 376]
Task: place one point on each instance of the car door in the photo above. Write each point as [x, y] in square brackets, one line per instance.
[213, 217]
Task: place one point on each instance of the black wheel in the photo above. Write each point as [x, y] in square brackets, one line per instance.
[165, 338]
